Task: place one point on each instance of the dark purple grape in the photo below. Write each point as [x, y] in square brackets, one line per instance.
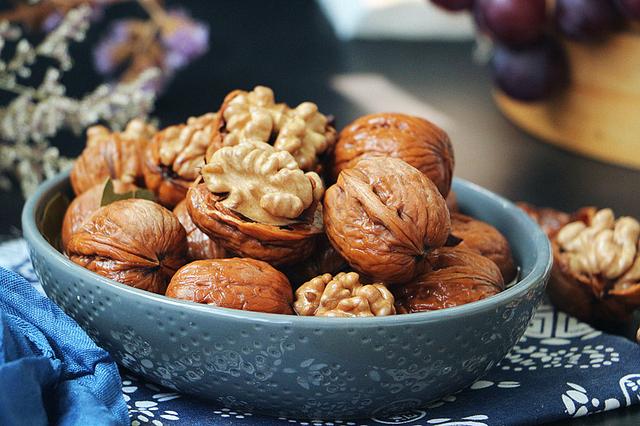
[586, 20]
[454, 5]
[511, 21]
[530, 73]
[630, 8]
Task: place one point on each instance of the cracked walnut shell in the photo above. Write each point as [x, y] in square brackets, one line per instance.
[115, 155]
[417, 141]
[383, 216]
[457, 277]
[486, 240]
[174, 157]
[200, 246]
[302, 131]
[83, 206]
[343, 296]
[135, 242]
[246, 284]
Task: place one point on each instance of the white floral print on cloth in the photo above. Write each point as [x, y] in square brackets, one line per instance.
[561, 368]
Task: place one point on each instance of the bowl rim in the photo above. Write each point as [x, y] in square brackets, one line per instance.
[540, 271]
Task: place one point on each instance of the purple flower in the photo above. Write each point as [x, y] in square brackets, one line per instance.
[105, 53]
[184, 38]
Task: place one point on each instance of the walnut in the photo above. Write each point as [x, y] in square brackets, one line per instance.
[200, 246]
[458, 276]
[417, 141]
[84, 205]
[343, 296]
[246, 284]
[258, 203]
[111, 154]
[486, 240]
[324, 259]
[596, 270]
[136, 242]
[174, 157]
[383, 216]
[262, 183]
[302, 131]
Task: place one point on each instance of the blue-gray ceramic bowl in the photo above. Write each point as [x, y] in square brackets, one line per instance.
[301, 366]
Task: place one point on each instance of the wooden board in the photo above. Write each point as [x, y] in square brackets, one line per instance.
[599, 114]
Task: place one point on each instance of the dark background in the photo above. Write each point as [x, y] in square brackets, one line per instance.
[289, 46]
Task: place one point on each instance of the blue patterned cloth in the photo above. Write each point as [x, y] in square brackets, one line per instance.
[560, 369]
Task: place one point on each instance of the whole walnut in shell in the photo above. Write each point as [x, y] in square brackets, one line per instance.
[343, 296]
[596, 271]
[486, 240]
[115, 155]
[457, 277]
[83, 206]
[415, 140]
[246, 284]
[200, 246]
[302, 131]
[383, 216]
[258, 203]
[174, 157]
[136, 242]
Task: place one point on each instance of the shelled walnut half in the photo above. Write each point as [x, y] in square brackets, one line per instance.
[384, 216]
[174, 157]
[343, 295]
[596, 274]
[135, 242]
[246, 284]
[415, 140]
[302, 131]
[458, 276]
[115, 155]
[257, 202]
[486, 240]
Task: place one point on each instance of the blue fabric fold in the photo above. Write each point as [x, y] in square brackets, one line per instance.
[50, 370]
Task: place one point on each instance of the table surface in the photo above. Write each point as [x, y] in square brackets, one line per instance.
[291, 47]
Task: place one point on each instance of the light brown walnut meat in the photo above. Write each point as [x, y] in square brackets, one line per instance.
[458, 277]
[261, 183]
[417, 141]
[302, 131]
[115, 155]
[486, 240]
[383, 216]
[136, 242]
[174, 157]
[200, 246]
[83, 206]
[343, 296]
[246, 284]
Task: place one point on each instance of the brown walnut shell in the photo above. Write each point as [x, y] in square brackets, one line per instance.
[486, 240]
[84, 205]
[173, 158]
[200, 246]
[325, 259]
[277, 245]
[415, 140]
[458, 277]
[115, 155]
[136, 242]
[383, 216]
[247, 284]
[550, 220]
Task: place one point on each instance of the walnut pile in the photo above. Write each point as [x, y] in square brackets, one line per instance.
[343, 295]
[302, 131]
[115, 155]
[174, 157]
[262, 183]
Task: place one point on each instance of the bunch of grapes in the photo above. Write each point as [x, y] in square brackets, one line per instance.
[528, 62]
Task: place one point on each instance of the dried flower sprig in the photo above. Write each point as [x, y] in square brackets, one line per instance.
[36, 114]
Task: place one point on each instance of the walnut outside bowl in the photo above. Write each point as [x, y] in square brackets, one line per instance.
[303, 367]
